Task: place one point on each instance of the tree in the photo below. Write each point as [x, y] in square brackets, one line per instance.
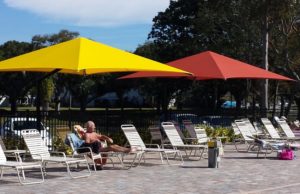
[13, 84]
[52, 86]
[189, 27]
[239, 29]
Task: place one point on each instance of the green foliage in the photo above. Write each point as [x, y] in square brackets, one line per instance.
[47, 89]
[13, 143]
[214, 132]
[118, 138]
[14, 84]
[40, 41]
[60, 146]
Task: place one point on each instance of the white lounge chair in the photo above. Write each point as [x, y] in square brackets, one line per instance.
[39, 151]
[20, 167]
[196, 133]
[180, 132]
[248, 137]
[271, 129]
[286, 129]
[255, 131]
[87, 151]
[177, 142]
[135, 140]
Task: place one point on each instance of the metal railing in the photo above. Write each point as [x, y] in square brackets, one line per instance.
[109, 121]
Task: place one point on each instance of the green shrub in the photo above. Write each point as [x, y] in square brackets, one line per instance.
[219, 132]
[60, 146]
[12, 143]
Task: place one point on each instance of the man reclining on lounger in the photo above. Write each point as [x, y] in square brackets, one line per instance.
[90, 137]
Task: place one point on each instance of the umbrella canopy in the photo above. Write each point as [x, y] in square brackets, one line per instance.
[82, 56]
[210, 65]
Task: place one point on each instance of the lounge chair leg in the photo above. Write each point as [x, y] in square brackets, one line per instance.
[258, 151]
[44, 168]
[70, 174]
[1, 173]
[121, 160]
[23, 175]
[94, 164]
[201, 153]
[161, 157]
[140, 158]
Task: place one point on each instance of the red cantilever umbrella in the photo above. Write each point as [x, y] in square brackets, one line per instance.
[210, 65]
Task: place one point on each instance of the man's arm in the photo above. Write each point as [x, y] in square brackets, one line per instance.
[105, 138]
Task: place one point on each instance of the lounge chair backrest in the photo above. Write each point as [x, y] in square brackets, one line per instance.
[35, 144]
[178, 129]
[172, 133]
[2, 144]
[244, 129]
[201, 134]
[189, 126]
[270, 128]
[250, 126]
[286, 128]
[297, 123]
[258, 127]
[2, 156]
[74, 142]
[155, 132]
[235, 128]
[133, 137]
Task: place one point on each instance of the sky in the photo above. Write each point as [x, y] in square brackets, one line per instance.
[119, 23]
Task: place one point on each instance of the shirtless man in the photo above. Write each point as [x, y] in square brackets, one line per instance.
[91, 136]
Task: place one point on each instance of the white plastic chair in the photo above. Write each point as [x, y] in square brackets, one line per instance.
[271, 129]
[134, 139]
[286, 129]
[177, 142]
[39, 151]
[87, 151]
[20, 167]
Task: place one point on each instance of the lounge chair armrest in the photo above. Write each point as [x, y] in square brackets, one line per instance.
[156, 145]
[85, 148]
[39, 155]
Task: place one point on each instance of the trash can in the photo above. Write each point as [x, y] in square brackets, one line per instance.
[213, 154]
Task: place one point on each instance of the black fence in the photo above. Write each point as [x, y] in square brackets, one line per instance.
[109, 121]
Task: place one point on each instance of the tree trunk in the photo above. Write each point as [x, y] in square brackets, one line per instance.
[281, 105]
[45, 106]
[13, 104]
[275, 100]
[57, 104]
[288, 108]
[265, 85]
[82, 105]
[297, 100]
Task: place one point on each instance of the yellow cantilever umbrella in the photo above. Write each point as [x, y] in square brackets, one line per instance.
[82, 56]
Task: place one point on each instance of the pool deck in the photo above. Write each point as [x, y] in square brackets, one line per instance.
[239, 172]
